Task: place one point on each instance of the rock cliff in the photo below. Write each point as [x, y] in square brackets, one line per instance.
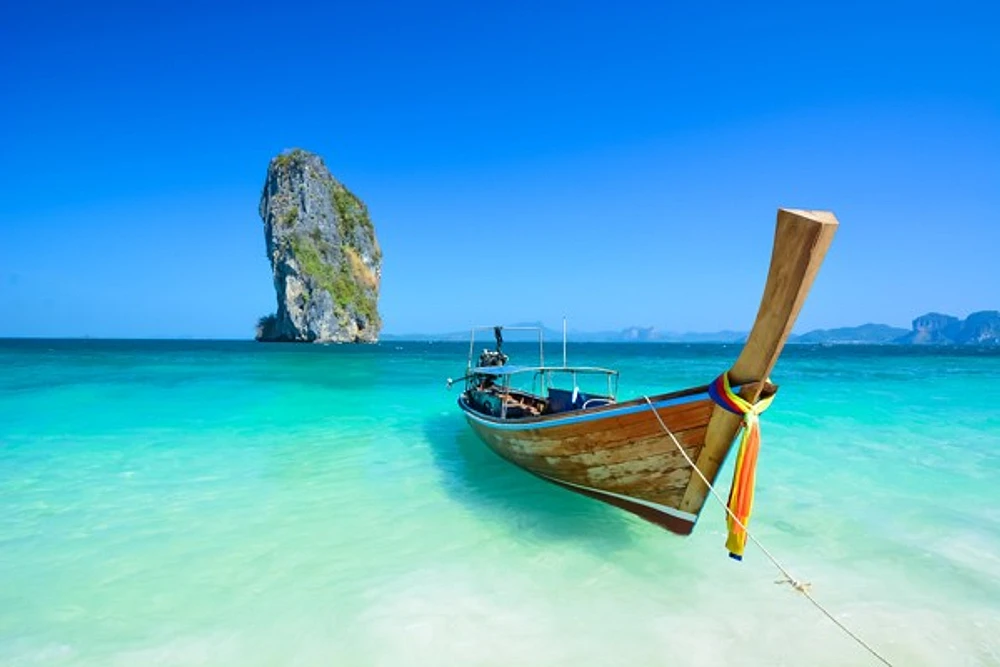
[981, 328]
[324, 255]
[933, 329]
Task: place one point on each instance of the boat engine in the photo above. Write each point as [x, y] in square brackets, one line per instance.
[494, 357]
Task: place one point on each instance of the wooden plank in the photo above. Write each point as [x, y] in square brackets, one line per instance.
[612, 432]
[672, 523]
[691, 440]
[650, 469]
[800, 243]
[661, 478]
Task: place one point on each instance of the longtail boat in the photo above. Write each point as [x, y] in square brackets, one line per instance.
[618, 452]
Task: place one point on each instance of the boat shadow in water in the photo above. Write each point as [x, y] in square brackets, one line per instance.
[535, 510]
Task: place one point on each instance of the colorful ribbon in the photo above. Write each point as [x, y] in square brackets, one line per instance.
[745, 473]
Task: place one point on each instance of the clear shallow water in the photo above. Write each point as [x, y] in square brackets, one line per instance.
[189, 503]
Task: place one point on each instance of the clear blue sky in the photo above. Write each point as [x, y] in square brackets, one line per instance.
[617, 162]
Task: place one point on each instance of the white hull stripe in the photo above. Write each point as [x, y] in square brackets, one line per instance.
[656, 506]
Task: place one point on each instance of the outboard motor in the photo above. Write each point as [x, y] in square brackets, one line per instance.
[494, 357]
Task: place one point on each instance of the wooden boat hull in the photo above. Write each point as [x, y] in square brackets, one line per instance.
[617, 454]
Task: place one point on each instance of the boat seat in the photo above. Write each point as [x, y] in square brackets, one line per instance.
[517, 412]
[561, 400]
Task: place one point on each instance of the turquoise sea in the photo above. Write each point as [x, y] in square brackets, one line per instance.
[231, 503]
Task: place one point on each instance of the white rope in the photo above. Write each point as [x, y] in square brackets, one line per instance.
[800, 586]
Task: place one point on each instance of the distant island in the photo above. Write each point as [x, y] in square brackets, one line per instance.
[325, 258]
[877, 334]
[980, 328]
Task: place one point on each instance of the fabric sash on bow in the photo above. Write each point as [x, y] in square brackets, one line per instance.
[744, 475]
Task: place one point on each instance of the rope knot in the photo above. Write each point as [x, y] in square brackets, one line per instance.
[723, 395]
[800, 586]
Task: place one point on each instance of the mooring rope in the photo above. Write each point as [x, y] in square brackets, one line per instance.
[800, 586]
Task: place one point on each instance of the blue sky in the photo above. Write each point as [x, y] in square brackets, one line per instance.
[619, 163]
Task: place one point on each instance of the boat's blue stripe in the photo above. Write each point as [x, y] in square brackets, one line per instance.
[583, 417]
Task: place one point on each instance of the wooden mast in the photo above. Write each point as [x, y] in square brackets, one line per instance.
[801, 240]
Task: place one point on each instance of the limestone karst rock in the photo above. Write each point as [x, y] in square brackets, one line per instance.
[324, 254]
[980, 328]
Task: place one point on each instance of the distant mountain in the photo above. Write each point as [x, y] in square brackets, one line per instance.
[510, 334]
[724, 336]
[866, 334]
[982, 328]
[633, 334]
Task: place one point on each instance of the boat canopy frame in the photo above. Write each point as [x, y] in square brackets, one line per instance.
[541, 371]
